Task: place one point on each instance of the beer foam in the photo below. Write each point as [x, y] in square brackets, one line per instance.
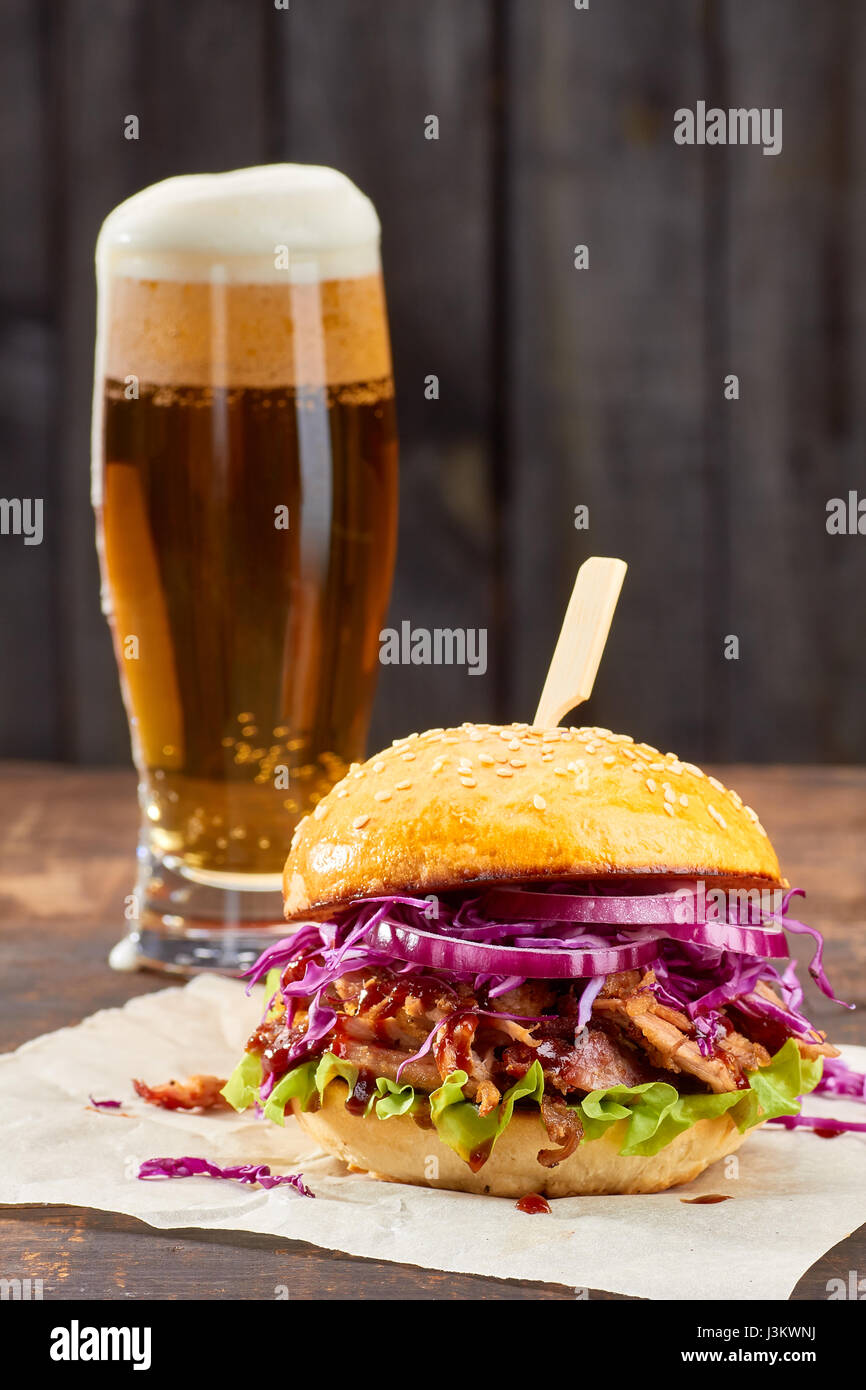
[264, 277]
[304, 222]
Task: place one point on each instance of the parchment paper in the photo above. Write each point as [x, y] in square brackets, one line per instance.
[796, 1195]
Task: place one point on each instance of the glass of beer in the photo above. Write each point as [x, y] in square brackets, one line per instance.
[245, 488]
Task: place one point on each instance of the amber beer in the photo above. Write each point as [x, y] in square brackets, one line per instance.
[245, 485]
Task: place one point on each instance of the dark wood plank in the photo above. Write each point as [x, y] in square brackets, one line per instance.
[796, 286]
[606, 377]
[355, 95]
[86, 1254]
[29, 708]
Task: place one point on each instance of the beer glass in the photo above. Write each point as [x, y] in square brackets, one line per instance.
[245, 489]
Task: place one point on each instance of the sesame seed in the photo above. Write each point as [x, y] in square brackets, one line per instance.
[359, 822]
[353, 767]
[608, 760]
[475, 737]
[657, 767]
[592, 748]
[504, 772]
[408, 757]
[320, 812]
[651, 786]
[548, 757]
[381, 796]
[550, 736]
[753, 815]
[517, 762]
[342, 792]
[737, 800]
[670, 795]
[676, 768]
[360, 773]
[468, 782]
[695, 771]
[402, 786]
[378, 766]
[714, 782]
[514, 745]
[684, 801]
[628, 753]
[717, 816]
[501, 757]
[668, 807]
[486, 760]
[539, 803]
[438, 763]
[560, 771]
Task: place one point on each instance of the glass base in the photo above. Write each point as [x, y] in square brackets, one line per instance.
[184, 925]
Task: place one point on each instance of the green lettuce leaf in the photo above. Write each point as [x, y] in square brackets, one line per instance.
[394, 1099]
[302, 1082]
[298, 1084]
[458, 1122]
[655, 1112]
[242, 1088]
[331, 1068]
[652, 1114]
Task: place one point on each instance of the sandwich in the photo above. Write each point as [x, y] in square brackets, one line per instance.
[530, 960]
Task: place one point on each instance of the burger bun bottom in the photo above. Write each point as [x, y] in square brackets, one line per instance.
[399, 1150]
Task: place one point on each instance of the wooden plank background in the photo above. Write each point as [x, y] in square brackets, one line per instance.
[559, 387]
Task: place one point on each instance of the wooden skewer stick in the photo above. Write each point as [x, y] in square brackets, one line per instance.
[582, 639]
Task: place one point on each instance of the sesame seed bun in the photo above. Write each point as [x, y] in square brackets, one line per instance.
[399, 1150]
[446, 808]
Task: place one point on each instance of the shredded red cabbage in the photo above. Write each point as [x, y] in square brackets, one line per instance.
[816, 967]
[240, 1172]
[105, 1104]
[839, 1079]
[691, 975]
[817, 1122]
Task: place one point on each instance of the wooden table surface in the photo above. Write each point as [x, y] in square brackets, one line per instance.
[66, 860]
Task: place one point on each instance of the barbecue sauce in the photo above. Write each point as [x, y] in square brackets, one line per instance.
[362, 1094]
[452, 1048]
[533, 1204]
[421, 1115]
[383, 996]
[709, 1200]
[479, 1156]
[827, 1133]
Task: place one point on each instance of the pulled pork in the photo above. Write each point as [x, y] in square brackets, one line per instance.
[196, 1093]
[631, 1038]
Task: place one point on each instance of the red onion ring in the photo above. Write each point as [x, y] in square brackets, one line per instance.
[476, 957]
[650, 909]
